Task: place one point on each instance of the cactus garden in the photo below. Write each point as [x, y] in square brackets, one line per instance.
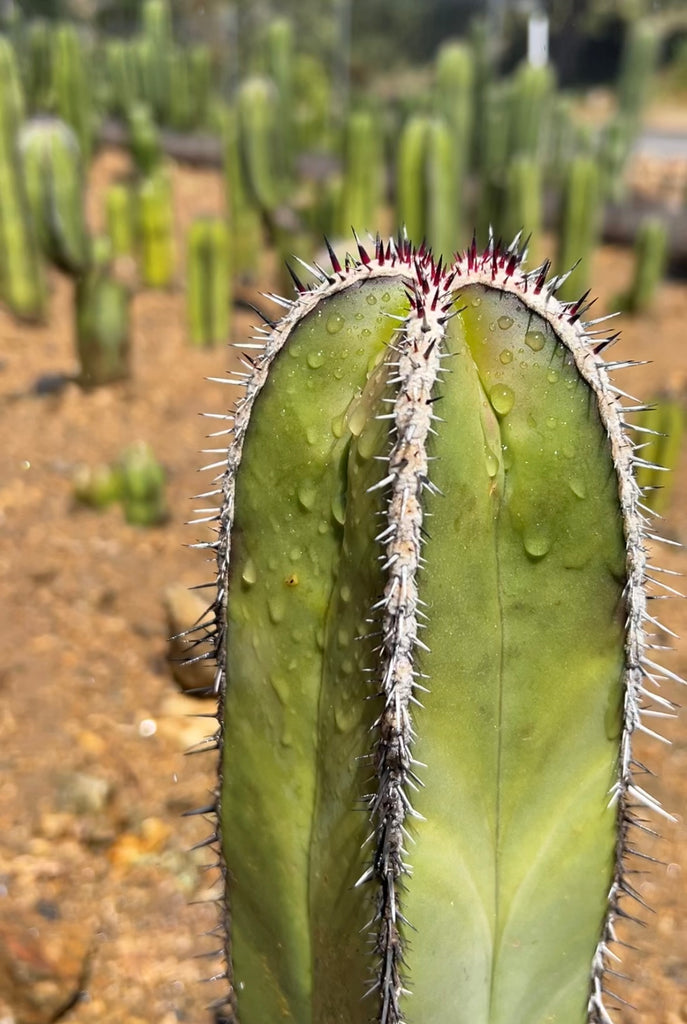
[391, 732]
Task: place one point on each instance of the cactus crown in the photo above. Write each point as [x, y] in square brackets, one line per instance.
[412, 366]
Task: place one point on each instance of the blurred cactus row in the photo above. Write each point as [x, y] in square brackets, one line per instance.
[136, 480]
[471, 152]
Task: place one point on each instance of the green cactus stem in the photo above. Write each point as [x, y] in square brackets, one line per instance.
[144, 139]
[641, 51]
[362, 184]
[52, 163]
[258, 114]
[430, 631]
[209, 282]
[120, 219]
[426, 193]
[651, 259]
[143, 482]
[522, 202]
[73, 88]
[102, 322]
[242, 216]
[22, 277]
[580, 223]
[661, 428]
[531, 97]
[38, 67]
[156, 231]
[454, 100]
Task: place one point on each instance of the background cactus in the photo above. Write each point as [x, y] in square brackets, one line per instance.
[209, 282]
[102, 322]
[651, 257]
[155, 222]
[579, 225]
[420, 695]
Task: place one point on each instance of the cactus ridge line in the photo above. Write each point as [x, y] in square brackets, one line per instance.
[432, 291]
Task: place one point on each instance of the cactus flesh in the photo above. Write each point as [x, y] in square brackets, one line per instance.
[429, 628]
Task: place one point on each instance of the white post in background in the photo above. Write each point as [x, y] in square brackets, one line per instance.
[538, 40]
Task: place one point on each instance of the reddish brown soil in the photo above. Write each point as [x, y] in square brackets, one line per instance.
[100, 883]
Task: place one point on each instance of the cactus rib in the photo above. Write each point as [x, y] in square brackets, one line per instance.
[416, 357]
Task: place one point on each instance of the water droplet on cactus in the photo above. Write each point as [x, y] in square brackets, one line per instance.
[506, 456]
[286, 738]
[502, 398]
[323, 527]
[306, 495]
[492, 462]
[535, 340]
[316, 359]
[357, 420]
[578, 487]
[476, 301]
[367, 444]
[536, 540]
[385, 296]
[505, 322]
[371, 300]
[294, 350]
[551, 422]
[506, 356]
[280, 687]
[249, 574]
[334, 323]
[338, 424]
[311, 435]
[295, 554]
[359, 316]
[275, 608]
[345, 593]
[552, 376]
[339, 509]
[347, 667]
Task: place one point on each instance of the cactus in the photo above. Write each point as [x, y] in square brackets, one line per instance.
[102, 322]
[122, 76]
[614, 149]
[280, 68]
[480, 710]
[38, 68]
[142, 486]
[651, 257]
[22, 278]
[641, 51]
[580, 224]
[244, 222]
[258, 113]
[144, 139]
[209, 282]
[155, 231]
[73, 88]
[426, 192]
[531, 98]
[119, 219]
[522, 202]
[55, 187]
[454, 101]
[362, 184]
[661, 428]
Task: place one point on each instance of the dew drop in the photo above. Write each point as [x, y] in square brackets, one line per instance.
[294, 351]
[357, 420]
[492, 462]
[339, 509]
[536, 540]
[316, 359]
[371, 300]
[338, 372]
[286, 738]
[345, 593]
[476, 301]
[366, 332]
[323, 527]
[311, 435]
[306, 495]
[552, 376]
[275, 608]
[367, 444]
[578, 487]
[347, 667]
[385, 297]
[280, 687]
[295, 554]
[507, 456]
[535, 340]
[505, 322]
[359, 316]
[506, 356]
[249, 574]
[334, 323]
[502, 398]
[338, 424]
[551, 422]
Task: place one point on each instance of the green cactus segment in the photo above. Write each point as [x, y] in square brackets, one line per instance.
[156, 231]
[525, 568]
[102, 328]
[209, 283]
[580, 225]
[651, 258]
[661, 430]
[286, 549]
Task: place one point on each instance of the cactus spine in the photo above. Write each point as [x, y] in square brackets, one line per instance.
[209, 282]
[507, 706]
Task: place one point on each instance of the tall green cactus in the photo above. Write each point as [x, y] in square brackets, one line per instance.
[55, 186]
[428, 203]
[580, 224]
[120, 219]
[101, 305]
[641, 51]
[430, 631]
[531, 98]
[454, 100]
[209, 282]
[73, 86]
[651, 258]
[156, 230]
[361, 191]
[22, 277]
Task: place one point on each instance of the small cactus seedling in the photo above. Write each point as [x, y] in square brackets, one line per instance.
[430, 631]
[143, 482]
